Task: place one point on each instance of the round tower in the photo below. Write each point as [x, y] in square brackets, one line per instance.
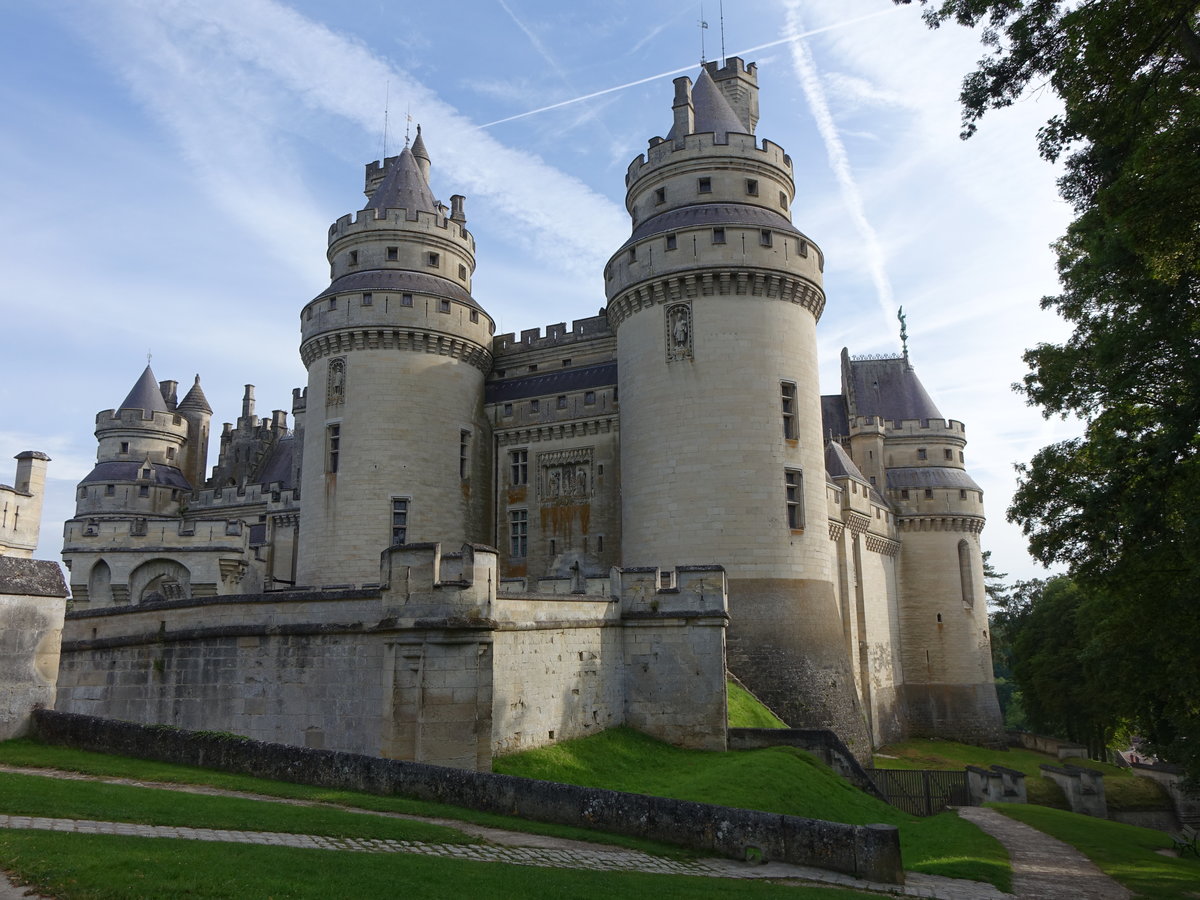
[198, 414]
[141, 446]
[715, 299]
[395, 442]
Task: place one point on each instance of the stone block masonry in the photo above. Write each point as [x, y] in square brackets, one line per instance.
[32, 604]
[866, 851]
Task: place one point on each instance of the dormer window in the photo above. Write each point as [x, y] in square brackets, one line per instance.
[146, 473]
[704, 185]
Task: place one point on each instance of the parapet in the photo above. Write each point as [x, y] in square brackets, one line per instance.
[893, 428]
[116, 419]
[386, 219]
[697, 146]
[588, 329]
[420, 583]
[645, 591]
[102, 535]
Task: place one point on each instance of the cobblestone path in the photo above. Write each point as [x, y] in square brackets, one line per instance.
[1045, 868]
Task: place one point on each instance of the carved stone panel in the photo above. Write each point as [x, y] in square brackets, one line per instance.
[565, 474]
[679, 331]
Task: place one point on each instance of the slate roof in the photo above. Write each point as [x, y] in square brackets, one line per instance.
[834, 420]
[712, 111]
[195, 399]
[145, 395]
[929, 477]
[131, 470]
[403, 186]
[838, 463]
[399, 281]
[707, 214]
[890, 389]
[31, 577]
[559, 381]
[278, 466]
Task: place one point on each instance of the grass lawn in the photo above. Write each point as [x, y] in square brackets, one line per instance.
[776, 779]
[746, 711]
[1125, 852]
[105, 867]
[41, 796]
[1122, 789]
[29, 753]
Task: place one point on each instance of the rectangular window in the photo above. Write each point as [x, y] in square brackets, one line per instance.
[802, 248]
[764, 237]
[518, 533]
[474, 317]
[704, 185]
[333, 302]
[464, 453]
[718, 235]
[566, 362]
[110, 490]
[794, 494]
[660, 195]
[124, 446]
[752, 187]
[589, 398]
[143, 490]
[960, 456]
[146, 473]
[928, 493]
[783, 199]
[962, 495]
[354, 257]
[633, 254]
[787, 392]
[406, 300]
[508, 409]
[672, 241]
[562, 401]
[368, 299]
[443, 306]
[462, 272]
[921, 454]
[399, 521]
[519, 461]
[904, 495]
[534, 405]
[948, 454]
[393, 253]
[333, 448]
[170, 453]
[433, 260]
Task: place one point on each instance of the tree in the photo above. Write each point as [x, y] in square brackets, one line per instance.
[1120, 506]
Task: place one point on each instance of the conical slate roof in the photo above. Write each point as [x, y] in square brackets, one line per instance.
[145, 395]
[195, 399]
[889, 389]
[839, 464]
[712, 111]
[418, 147]
[404, 186]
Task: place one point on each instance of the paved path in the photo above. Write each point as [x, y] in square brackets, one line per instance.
[1044, 868]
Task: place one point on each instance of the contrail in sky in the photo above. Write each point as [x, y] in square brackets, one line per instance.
[687, 68]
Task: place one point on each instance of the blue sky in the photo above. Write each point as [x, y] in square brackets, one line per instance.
[168, 170]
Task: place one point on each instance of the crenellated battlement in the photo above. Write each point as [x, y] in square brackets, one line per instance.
[589, 329]
[146, 534]
[702, 147]
[119, 419]
[375, 220]
[906, 427]
[274, 496]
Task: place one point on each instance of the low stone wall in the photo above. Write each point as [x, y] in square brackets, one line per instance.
[866, 851]
[996, 785]
[822, 742]
[1050, 745]
[1084, 789]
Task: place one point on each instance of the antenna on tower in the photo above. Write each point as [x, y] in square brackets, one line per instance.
[387, 96]
[703, 28]
[721, 9]
[408, 124]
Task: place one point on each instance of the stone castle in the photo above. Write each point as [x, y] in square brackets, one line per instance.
[643, 499]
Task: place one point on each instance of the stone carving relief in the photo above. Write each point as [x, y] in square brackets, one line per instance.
[335, 391]
[565, 474]
[679, 331]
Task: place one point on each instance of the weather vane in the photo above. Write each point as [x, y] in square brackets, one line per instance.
[703, 27]
[148, 356]
[903, 330]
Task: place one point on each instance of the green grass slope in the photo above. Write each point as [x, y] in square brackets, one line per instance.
[776, 779]
[747, 711]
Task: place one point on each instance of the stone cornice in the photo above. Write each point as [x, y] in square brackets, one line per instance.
[556, 430]
[967, 524]
[772, 285]
[881, 545]
[332, 343]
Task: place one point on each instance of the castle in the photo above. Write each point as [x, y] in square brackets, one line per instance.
[669, 462]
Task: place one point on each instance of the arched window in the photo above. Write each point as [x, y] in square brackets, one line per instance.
[965, 573]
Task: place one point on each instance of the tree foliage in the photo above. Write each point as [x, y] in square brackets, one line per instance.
[1120, 505]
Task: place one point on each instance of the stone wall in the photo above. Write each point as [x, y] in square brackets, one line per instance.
[32, 604]
[865, 851]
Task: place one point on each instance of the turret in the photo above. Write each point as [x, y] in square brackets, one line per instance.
[198, 414]
[715, 299]
[21, 505]
[396, 350]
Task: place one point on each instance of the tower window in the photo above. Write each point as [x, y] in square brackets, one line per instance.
[433, 260]
[507, 409]
[354, 257]
[783, 199]
[752, 187]
[803, 248]
[474, 317]
[110, 490]
[904, 494]
[444, 306]
[660, 195]
[961, 458]
[794, 496]
[672, 242]
[333, 302]
[518, 533]
[948, 454]
[764, 237]
[464, 454]
[393, 253]
[519, 462]
[399, 521]
[534, 406]
[406, 300]
[566, 362]
[333, 447]
[143, 491]
[704, 185]
[462, 271]
[965, 575]
[124, 446]
[718, 235]
[562, 401]
[589, 398]
[928, 493]
[368, 299]
[632, 254]
[922, 454]
[170, 453]
[787, 392]
[962, 495]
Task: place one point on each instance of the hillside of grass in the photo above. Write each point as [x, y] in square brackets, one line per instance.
[1123, 790]
[747, 711]
[1124, 852]
[775, 779]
